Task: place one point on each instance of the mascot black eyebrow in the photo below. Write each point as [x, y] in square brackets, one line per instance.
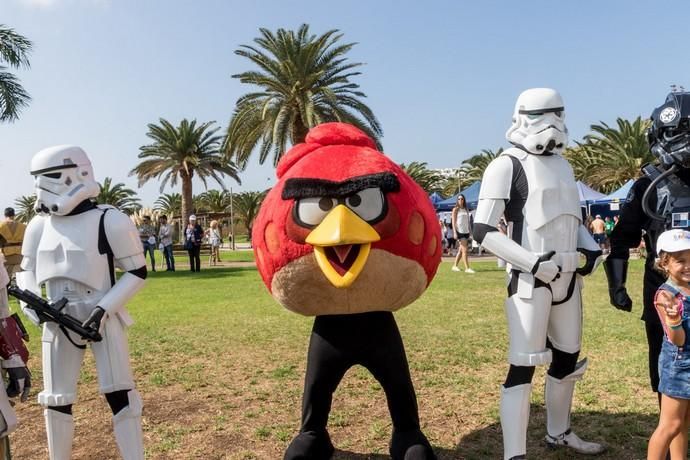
[348, 237]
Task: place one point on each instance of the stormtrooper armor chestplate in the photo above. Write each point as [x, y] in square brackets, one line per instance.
[551, 212]
[68, 261]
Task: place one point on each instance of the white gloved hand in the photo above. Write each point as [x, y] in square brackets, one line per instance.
[545, 269]
[31, 314]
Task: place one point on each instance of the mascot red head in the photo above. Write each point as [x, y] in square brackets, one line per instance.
[345, 229]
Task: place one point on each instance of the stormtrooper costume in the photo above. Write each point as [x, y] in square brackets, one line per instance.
[533, 186]
[657, 201]
[73, 247]
[14, 356]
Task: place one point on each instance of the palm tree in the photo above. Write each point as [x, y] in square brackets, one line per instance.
[216, 201]
[473, 168]
[431, 181]
[119, 196]
[609, 157]
[246, 206]
[14, 51]
[181, 153]
[169, 204]
[450, 185]
[26, 208]
[198, 204]
[304, 81]
[138, 215]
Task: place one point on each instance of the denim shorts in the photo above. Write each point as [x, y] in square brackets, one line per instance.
[674, 371]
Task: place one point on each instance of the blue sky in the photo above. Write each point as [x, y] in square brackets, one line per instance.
[442, 76]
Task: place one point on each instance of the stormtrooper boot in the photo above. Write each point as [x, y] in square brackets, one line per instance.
[127, 428]
[559, 398]
[514, 419]
[60, 432]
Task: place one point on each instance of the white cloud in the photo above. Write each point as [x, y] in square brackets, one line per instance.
[38, 3]
[46, 4]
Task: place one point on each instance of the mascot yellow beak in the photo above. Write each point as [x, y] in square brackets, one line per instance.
[341, 245]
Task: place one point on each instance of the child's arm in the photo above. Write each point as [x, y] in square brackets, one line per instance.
[669, 309]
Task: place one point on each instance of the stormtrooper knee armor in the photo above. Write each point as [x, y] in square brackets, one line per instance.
[73, 246]
[533, 186]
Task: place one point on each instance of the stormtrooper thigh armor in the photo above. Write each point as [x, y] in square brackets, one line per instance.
[62, 362]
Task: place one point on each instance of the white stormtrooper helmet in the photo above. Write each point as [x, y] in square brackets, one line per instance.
[63, 178]
[538, 122]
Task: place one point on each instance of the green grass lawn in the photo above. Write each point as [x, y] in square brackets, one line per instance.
[220, 367]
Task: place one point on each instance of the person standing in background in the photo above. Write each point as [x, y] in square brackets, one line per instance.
[608, 228]
[214, 239]
[192, 243]
[147, 234]
[462, 224]
[11, 238]
[598, 228]
[166, 241]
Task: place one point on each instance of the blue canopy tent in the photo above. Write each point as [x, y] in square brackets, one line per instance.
[587, 194]
[435, 198]
[587, 197]
[471, 194]
[610, 204]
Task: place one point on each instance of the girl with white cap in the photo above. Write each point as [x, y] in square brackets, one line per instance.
[672, 303]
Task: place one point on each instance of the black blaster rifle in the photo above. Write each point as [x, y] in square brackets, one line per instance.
[47, 311]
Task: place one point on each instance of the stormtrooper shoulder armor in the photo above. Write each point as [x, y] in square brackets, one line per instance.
[497, 179]
[121, 233]
[32, 237]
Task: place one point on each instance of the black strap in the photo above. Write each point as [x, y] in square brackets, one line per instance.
[571, 289]
[512, 286]
[64, 331]
[104, 247]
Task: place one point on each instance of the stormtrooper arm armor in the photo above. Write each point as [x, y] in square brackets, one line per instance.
[124, 242]
[590, 249]
[129, 284]
[487, 216]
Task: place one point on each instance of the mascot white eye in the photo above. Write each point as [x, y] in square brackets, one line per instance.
[311, 211]
[368, 204]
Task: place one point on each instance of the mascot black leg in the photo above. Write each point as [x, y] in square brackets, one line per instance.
[326, 366]
[386, 360]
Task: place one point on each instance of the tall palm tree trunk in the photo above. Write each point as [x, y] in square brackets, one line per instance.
[187, 203]
[299, 131]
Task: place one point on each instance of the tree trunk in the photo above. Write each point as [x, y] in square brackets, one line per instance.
[299, 131]
[186, 197]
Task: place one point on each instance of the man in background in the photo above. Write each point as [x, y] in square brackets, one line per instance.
[147, 234]
[166, 242]
[11, 238]
[598, 228]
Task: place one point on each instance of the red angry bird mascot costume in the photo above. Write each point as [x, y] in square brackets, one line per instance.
[347, 236]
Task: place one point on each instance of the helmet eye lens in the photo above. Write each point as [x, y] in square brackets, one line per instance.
[55, 175]
[558, 113]
[534, 116]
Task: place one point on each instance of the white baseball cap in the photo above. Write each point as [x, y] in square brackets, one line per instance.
[673, 241]
[192, 217]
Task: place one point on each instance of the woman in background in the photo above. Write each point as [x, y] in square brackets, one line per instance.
[462, 224]
[192, 243]
[214, 240]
